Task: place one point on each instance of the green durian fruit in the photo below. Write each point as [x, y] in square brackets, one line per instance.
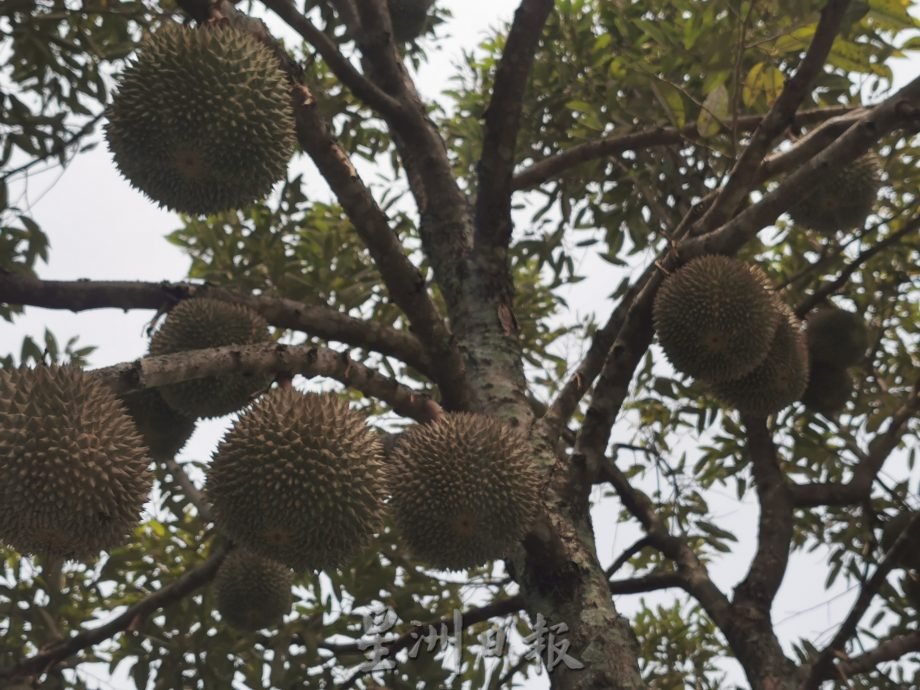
[836, 336]
[842, 200]
[73, 469]
[716, 318]
[910, 557]
[779, 381]
[200, 323]
[298, 478]
[463, 488]
[202, 119]
[252, 592]
[409, 18]
[164, 430]
[829, 388]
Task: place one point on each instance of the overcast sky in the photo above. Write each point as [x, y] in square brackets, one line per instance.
[100, 228]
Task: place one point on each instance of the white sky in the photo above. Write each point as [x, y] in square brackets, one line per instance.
[100, 228]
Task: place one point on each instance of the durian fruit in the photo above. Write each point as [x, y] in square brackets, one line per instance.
[408, 18]
[836, 336]
[252, 592]
[829, 388]
[202, 121]
[200, 323]
[779, 381]
[910, 557]
[298, 478]
[842, 200]
[164, 430]
[463, 490]
[73, 469]
[716, 318]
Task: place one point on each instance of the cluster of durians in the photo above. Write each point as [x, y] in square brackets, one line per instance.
[298, 482]
[837, 339]
[202, 120]
[719, 320]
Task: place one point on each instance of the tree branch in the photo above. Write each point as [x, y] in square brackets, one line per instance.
[858, 488]
[189, 582]
[832, 286]
[191, 491]
[891, 649]
[265, 358]
[780, 116]
[901, 110]
[321, 322]
[502, 122]
[765, 574]
[823, 665]
[362, 87]
[661, 135]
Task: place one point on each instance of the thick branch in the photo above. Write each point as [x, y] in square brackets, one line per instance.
[269, 358]
[557, 164]
[822, 666]
[189, 582]
[891, 649]
[901, 110]
[362, 87]
[760, 585]
[780, 116]
[502, 122]
[405, 283]
[321, 322]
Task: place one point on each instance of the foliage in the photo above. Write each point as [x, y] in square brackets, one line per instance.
[602, 68]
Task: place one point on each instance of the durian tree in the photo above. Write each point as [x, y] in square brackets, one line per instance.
[737, 182]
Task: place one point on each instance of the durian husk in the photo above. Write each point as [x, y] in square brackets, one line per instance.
[910, 557]
[73, 469]
[463, 490]
[716, 318]
[836, 336]
[201, 121]
[408, 18]
[252, 592]
[298, 478]
[843, 200]
[779, 381]
[165, 431]
[200, 323]
[829, 388]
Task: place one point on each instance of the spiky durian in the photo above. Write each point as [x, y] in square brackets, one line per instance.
[780, 379]
[716, 318]
[842, 200]
[73, 469]
[829, 388]
[164, 430]
[464, 490]
[298, 478]
[253, 592]
[836, 336]
[202, 121]
[910, 557]
[200, 323]
[408, 18]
